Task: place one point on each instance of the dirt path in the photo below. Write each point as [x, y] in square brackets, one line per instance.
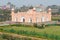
[21, 36]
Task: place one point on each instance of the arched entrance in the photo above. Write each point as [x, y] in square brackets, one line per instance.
[22, 19]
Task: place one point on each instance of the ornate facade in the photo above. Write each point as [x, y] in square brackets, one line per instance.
[34, 15]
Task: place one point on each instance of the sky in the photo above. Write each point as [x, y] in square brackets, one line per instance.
[19, 3]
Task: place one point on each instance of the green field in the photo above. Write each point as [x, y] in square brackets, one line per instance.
[50, 32]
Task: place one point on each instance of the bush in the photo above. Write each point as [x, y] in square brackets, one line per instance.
[52, 25]
[35, 24]
[39, 26]
[4, 36]
[1, 29]
[21, 25]
[12, 31]
[43, 26]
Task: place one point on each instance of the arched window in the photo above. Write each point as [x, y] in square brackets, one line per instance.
[22, 19]
[43, 19]
[30, 20]
[15, 19]
[37, 20]
[46, 18]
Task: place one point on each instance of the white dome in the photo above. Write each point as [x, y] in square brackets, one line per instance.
[34, 8]
[12, 9]
[49, 9]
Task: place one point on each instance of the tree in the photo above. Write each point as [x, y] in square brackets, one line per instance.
[31, 7]
[24, 8]
[9, 3]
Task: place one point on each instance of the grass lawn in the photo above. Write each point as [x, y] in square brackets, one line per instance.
[32, 31]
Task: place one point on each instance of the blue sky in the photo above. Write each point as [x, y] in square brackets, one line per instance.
[30, 2]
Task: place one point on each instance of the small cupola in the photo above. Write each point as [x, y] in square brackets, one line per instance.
[12, 10]
[34, 9]
[49, 10]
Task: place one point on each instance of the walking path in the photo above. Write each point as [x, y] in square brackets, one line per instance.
[9, 23]
[20, 36]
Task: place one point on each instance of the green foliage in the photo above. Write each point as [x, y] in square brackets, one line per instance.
[28, 31]
[12, 30]
[43, 25]
[33, 33]
[21, 25]
[1, 29]
[55, 18]
[39, 26]
[4, 36]
[9, 37]
[52, 25]
[35, 25]
[5, 15]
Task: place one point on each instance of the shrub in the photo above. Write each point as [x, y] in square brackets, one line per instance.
[4, 36]
[43, 25]
[35, 24]
[17, 25]
[39, 26]
[57, 37]
[12, 31]
[54, 24]
[21, 25]
[1, 29]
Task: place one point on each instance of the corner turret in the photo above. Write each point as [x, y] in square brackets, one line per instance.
[49, 10]
[12, 10]
[34, 9]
